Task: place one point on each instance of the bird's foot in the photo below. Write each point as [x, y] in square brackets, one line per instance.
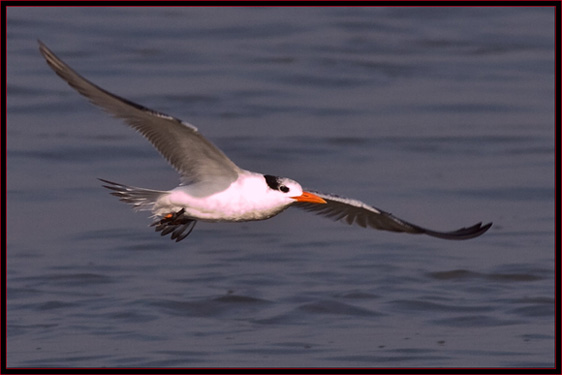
[173, 218]
[176, 223]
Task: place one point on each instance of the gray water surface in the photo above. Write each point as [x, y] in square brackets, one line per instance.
[442, 116]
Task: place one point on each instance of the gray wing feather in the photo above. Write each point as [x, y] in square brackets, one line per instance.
[357, 212]
[193, 156]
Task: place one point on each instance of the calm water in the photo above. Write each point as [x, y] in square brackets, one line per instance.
[443, 116]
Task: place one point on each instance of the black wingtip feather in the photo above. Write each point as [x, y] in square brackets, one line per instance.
[462, 233]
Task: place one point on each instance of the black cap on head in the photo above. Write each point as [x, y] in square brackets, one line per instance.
[272, 181]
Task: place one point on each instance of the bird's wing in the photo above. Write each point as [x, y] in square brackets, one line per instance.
[193, 156]
[357, 212]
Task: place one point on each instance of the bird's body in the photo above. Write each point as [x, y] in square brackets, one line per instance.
[213, 188]
[247, 198]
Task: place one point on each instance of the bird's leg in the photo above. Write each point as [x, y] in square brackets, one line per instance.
[176, 223]
[170, 219]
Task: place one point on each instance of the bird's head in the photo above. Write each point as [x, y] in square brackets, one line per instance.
[291, 190]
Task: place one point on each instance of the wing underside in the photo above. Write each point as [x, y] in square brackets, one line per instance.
[356, 212]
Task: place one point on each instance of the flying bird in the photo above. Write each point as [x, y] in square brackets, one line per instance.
[214, 189]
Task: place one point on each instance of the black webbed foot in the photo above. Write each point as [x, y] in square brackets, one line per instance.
[176, 223]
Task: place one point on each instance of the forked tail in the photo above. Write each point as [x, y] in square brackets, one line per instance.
[176, 223]
[141, 199]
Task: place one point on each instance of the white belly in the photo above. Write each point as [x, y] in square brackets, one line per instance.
[246, 199]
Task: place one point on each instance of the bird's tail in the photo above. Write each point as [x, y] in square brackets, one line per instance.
[141, 199]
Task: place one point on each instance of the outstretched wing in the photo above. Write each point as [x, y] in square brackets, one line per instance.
[193, 156]
[357, 212]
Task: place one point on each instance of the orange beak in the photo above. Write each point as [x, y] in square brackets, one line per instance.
[309, 197]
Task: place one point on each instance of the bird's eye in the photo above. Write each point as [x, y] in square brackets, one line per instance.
[284, 189]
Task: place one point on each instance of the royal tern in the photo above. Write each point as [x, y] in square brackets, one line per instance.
[213, 188]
